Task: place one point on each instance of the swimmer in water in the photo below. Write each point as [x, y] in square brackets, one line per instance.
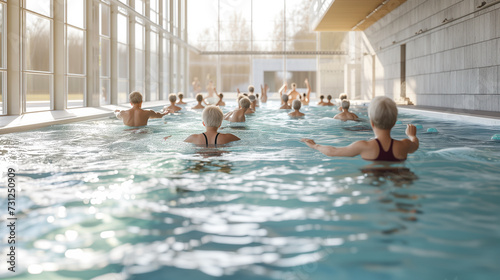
[180, 102]
[383, 115]
[253, 102]
[329, 103]
[306, 96]
[285, 105]
[342, 96]
[172, 108]
[238, 115]
[212, 120]
[220, 102]
[296, 104]
[199, 98]
[136, 116]
[346, 115]
[321, 102]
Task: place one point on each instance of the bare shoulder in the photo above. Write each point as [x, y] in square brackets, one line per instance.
[192, 138]
[228, 137]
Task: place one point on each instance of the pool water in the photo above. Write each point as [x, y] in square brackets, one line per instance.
[99, 201]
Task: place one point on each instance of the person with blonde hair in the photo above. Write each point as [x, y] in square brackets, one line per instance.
[238, 115]
[383, 114]
[342, 96]
[172, 108]
[296, 104]
[136, 116]
[253, 102]
[293, 94]
[346, 115]
[180, 102]
[199, 98]
[212, 120]
[284, 102]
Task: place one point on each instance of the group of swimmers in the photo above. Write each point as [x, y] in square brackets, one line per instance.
[382, 112]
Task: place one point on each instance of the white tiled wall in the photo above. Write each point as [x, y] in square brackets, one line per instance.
[455, 64]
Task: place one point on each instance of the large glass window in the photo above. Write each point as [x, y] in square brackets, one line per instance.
[3, 70]
[76, 55]
[38, 55]
[139, 6]
[153, 66]
[123, 58]
[154, 9]
[104, 53]
[166, 14]
[140, 58]
[166, 68]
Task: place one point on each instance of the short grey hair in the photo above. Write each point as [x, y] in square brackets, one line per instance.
[135, 97]
[383, 112]
[296, 104]
[245, 103]
[285, 98]
[346, 104]
[172, 97]
[212, 116]
[251, 97]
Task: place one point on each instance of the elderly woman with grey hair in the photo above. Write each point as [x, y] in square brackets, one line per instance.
[383, 115]
[212, 120]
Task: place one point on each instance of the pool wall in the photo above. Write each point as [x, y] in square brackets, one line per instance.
[442, 53]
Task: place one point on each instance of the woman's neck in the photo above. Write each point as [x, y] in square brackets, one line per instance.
[382, 133]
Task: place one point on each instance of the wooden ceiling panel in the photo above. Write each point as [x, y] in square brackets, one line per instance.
[344, 15]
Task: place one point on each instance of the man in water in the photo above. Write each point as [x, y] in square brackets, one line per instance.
[346, 115]
[136, 116]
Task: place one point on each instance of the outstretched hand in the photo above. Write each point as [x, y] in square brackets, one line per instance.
[309, 142]
[411, 130]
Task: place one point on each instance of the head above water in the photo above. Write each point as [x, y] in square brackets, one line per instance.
[383, 112]
[199, 97]
[285, 98]
[294, 85]
[346, 104]
[296, 104]
[342, 96]
[181, 95]
[221, 95]
[329, 97]
[251, 88]
[321, 97]
[212, 116]
[245, 103]
[252, 97]
[135, 97]
[172, 97]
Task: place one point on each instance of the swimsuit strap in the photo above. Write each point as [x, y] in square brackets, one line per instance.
[206, 139]
[380, 145]
[386, 155]
[216, 138]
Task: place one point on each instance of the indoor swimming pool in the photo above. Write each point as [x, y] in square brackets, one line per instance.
[99, 201]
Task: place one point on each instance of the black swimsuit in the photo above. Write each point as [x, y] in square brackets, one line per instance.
[386, 155]
[206, 139]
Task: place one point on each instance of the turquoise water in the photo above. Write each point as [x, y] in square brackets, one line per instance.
[98, 201]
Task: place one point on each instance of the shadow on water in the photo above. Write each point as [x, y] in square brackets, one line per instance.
[397, 196]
